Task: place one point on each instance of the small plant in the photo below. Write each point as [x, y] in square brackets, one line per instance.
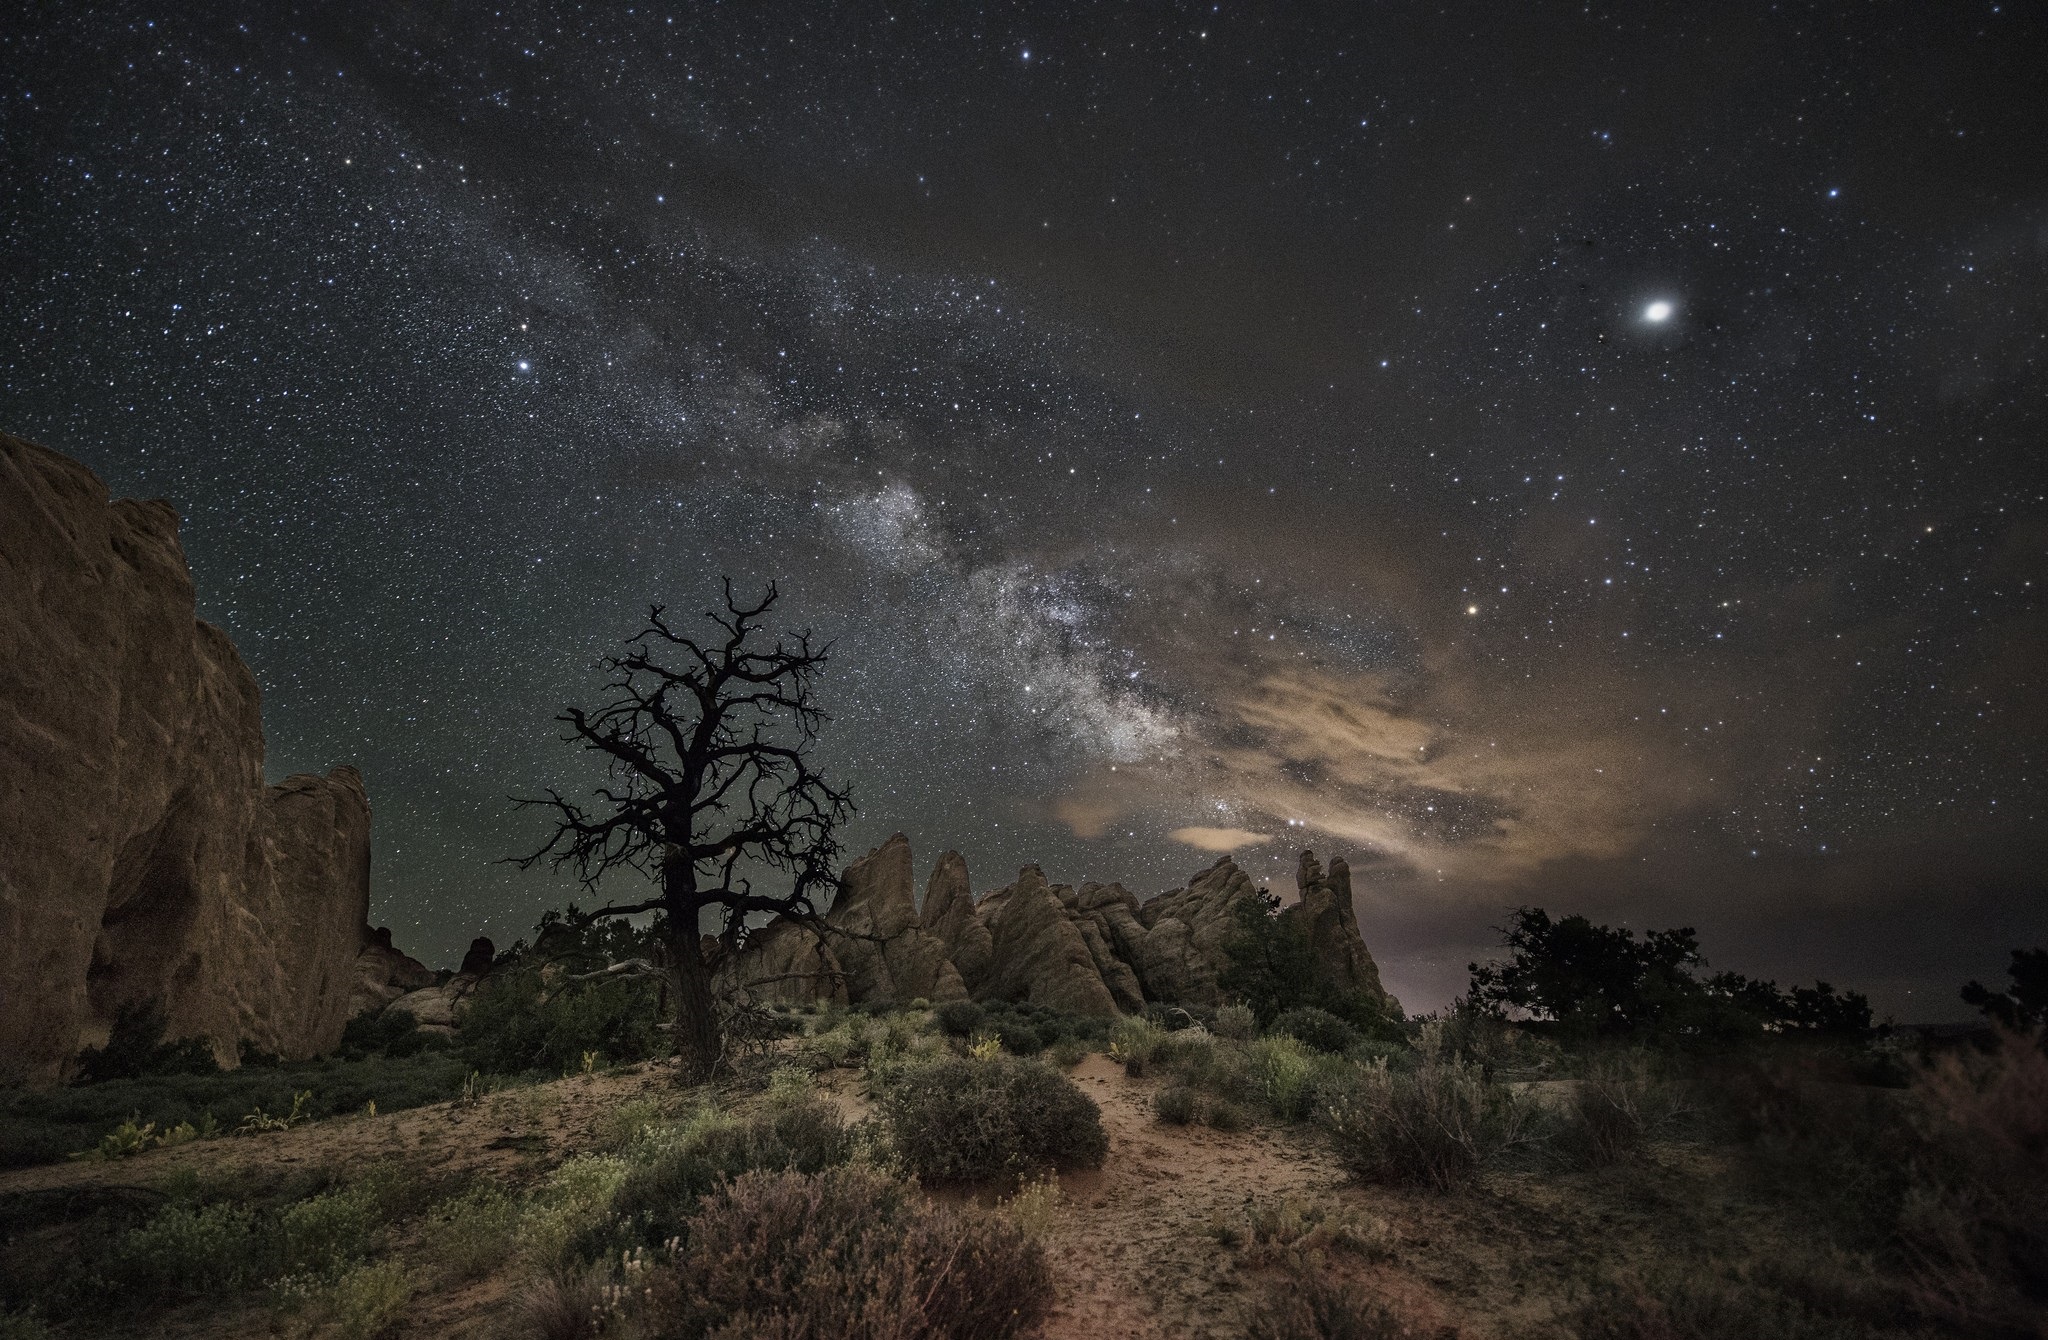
[365, 1302]
[124, 1141]
[1236, 1022]
[187, 1250]
[589, 1064]
[1223, 1115]
[1310, 1305]
[1035, 1207]
[985, 1048]
[475, 1231]
[572, 1205]
[473, 1090]
[259, 1122]
[1070, 1052]
[1176, 1105]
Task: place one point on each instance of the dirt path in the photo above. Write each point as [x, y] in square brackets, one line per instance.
[1134, 1251]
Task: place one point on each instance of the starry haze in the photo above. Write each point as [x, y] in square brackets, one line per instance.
[1582, 455]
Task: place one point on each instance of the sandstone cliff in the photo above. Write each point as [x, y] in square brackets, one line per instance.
[141, 855]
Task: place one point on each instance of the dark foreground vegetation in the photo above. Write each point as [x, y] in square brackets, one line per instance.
[1794, 1172]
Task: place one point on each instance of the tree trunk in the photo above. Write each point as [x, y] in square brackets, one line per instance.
[696, 1018]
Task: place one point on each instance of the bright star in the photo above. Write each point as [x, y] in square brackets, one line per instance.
[1657, 311]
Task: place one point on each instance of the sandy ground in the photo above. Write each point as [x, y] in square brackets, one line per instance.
[1133, 1244]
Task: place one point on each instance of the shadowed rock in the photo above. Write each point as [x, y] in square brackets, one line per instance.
[784, 962]
[1332, 921]
[883, 948]
[949, 916]
[1038, 953]
[141, 856]
[1181, 953]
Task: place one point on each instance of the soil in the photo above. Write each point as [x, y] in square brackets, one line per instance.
[1135, 1244]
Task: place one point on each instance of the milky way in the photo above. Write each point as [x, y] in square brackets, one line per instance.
[1424, 438]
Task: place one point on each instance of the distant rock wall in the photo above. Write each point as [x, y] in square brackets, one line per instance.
[141, 855]
[1094, 950]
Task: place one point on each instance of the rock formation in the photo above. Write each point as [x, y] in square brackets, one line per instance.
[1332, 920]
[784, 963]
[949, 915]
[1039, 952]
[881, 945]
[383, 974]
[1092, 950]
[141, 856]
[1181, 953]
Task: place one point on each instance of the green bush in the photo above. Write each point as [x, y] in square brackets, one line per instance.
[1437, 1126]
[1236, 1022]
[515, 1023]
[1176, 1105]
[191, 1251]
[45, 1125]
[474, 1233]
[392, 1033]
[1318, 1028]
[959, 1018]
[676, 1166]
[136, 1048]
[962, 1120]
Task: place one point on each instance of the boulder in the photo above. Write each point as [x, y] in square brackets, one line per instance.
[783, 962]
[383, 973]
[881, 946]
[1038, 952]
[1181, 953]
[439, 1009]
[1332, 920]
[141, 855]
[481, 956]
[949, 916]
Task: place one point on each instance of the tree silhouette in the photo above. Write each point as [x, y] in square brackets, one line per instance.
[708, 742]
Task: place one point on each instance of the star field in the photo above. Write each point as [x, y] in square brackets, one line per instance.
[1568, 454]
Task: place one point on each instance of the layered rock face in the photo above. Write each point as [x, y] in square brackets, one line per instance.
[1093, 950]
[141, 856]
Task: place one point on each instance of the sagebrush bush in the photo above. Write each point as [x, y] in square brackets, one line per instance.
[847, 1254]
[959, 1018]
[327, 1233]
[1319, 1029]
[191, 1250]
[571, 1211]
[960, 1119]
[1285, 1075]
[675, 1166]
[1311, 1305]
[1176, 1105]
[1613, 1109]
[1236, 1022]
[474, 1232]
[1437, 1126]
[364, 1302]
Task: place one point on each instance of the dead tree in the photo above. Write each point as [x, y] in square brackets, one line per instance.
[708, 743]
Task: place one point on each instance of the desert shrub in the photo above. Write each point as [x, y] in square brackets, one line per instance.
[847, 1253]
[136, 1048]
[1289, 1078]
[190, 1250]
[1223, 1115]
[515, 1022]
[958, 1018]
[1019, 1037]
[1236, 1022]
[1176, 1105]
[474, 1232]
[1070, 1053]
[1437, 1126]
[385, 1033]
[1973, 1223]
[571, 1210]
[24, 1326]
[44, 1125]
[1295, 1234]
[328, 1232]
[1133, 1039]
[797, 1132]
[1612, 1109]
[960, 1119]
[1800, 1299]
[363, 1302]
[1311, 1305]
[1318, 1028]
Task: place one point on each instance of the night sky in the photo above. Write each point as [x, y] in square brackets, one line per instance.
[1582, 455]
